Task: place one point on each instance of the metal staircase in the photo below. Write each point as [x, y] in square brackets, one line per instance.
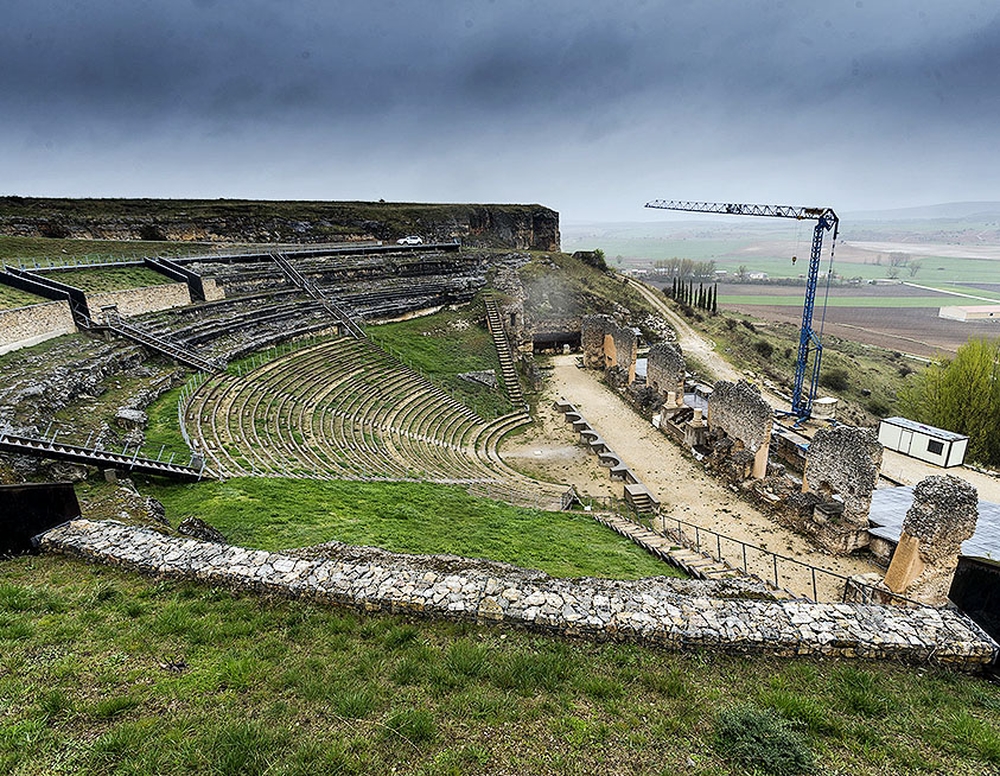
[112, 320]
[49, 448]
[349, 319]
[512, 384]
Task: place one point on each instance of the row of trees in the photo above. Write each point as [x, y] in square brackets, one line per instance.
[961, 394]
[685, 268]
[703, 298]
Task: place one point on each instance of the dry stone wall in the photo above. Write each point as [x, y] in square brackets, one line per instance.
[136, 301]
[657, 611]
[27, 326]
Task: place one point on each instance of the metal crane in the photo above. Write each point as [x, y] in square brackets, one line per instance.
[809, 341]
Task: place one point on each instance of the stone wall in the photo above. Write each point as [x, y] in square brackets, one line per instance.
[745, 419]
[27, 326]
[842, 468]
[136, 301]
[213, 291]
[943, 515]
[606, 345]
[665, 370]
[658, 611]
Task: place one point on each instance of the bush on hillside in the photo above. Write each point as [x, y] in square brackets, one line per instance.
[760, 739]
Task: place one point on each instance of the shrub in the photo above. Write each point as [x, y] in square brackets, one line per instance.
[765, 348]
[760, 739]
[835, 380]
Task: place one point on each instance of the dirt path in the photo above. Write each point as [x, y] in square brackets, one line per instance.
[552, 450]
[691, 342]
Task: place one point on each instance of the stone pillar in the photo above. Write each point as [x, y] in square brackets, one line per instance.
[592, 328]
[943, 515]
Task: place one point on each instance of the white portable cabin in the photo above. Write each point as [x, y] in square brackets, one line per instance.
[926, 443]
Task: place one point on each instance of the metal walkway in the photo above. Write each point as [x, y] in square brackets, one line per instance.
[348, 318]
[49, 448]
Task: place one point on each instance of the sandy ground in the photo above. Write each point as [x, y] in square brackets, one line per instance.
[551, 450]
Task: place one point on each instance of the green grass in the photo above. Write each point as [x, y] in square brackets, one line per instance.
[888, 302]
[110, 673]
[111, 278]
[12, 298]
[273, 514]
[444, 345]
[48, 252]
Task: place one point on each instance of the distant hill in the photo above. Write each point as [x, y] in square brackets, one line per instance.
[975, 210]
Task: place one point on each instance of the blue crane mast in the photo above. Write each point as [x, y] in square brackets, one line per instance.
[809, 340]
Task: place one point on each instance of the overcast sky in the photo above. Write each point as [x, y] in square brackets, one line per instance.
[591, 108]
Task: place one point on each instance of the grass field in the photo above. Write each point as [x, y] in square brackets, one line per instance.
[445, 345]
[49, 252]
[795, 300]
[111, 278]
[12, 298]
[106, 672]
[272, 514]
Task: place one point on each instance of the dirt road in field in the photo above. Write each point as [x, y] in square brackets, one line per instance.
[552, 450]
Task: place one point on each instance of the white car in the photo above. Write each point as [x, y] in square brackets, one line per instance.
[410, 240]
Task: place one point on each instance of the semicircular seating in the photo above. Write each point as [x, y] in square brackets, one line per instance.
[345, 409]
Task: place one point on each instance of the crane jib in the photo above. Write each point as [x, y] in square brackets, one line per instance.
[809, 341]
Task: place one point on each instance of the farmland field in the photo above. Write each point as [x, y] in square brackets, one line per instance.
[896, 317]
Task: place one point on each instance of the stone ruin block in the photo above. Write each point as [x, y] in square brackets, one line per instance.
[665, 370]
[737, 412]
[607, 346]
[943, 515]
[841, 470]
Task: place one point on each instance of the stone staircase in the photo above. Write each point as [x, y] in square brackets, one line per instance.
[694, 563]
[512, 384]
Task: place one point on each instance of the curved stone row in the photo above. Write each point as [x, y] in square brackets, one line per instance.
[729, 615]
[345, 409]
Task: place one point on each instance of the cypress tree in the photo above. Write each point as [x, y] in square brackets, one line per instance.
[715, 299]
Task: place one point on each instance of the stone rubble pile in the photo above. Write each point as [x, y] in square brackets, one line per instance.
[726, 614]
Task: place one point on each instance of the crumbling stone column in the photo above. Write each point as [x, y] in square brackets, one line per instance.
[592, 328]
[744, 417]
[665, 369]
[842, 468]
[943, 515]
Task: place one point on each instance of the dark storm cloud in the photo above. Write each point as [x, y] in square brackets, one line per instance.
[605, 86]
